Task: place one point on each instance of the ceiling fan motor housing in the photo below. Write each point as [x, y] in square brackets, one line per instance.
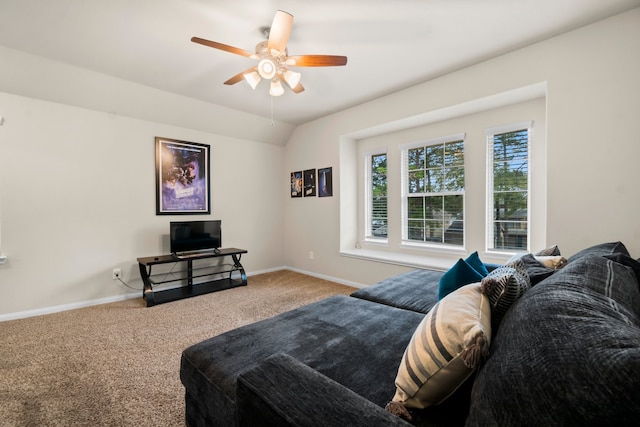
[267, 68]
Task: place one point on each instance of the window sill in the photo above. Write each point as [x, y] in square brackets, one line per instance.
[440, 259]
[403, 259]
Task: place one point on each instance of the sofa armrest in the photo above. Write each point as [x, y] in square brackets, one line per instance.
[282, 391]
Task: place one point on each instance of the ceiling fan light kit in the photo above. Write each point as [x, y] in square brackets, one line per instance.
[292, 78]
[267, 68]
[276, 88]
[253, 78]
[273, 58]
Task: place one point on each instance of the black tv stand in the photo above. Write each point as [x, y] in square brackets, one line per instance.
[191, 289]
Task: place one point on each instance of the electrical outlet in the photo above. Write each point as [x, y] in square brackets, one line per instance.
[117, 273]
[311, 255]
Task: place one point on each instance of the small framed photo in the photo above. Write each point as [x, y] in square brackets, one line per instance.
[296, 184]
[182, 177]
[325, 182]
[309, 183]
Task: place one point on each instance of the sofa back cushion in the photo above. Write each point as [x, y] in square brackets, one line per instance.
[568, 352]
[601, 249]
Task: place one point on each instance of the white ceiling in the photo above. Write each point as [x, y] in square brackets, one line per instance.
[390, 44]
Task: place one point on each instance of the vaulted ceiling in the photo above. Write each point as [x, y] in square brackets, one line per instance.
[390, 44]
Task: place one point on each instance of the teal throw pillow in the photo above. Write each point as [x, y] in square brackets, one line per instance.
[465, 271]
[474, 261]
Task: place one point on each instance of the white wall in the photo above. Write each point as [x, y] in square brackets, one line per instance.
[592, 87]
[77, 199]
[77, 165]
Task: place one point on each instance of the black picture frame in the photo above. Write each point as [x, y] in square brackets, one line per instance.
[296, 184]
[183, 183]
[310, 183]
[325, 182]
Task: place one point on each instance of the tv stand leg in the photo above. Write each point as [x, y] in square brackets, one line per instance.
[190, 273]
[238, 267]
[147, 292]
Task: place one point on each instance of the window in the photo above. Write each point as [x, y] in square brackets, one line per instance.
[377, 199]
[508, 195]
[440, 200]
[433, 196]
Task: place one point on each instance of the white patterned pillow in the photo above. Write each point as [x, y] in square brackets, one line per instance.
[504, 286]
[450, 342]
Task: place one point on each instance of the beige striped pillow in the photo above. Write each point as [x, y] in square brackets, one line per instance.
[449, 343]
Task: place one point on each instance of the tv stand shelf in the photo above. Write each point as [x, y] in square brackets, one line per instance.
[191, 289]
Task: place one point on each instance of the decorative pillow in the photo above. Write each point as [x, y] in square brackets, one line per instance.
[463, 272]
[550, 251]
[536, 271]
[447, 346]
[474, 261]
[553, 262]
[504, 286]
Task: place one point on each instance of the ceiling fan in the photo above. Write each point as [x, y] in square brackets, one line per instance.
[273, 58]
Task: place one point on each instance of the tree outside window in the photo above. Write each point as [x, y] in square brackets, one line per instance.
[435, 193]
[378, 213]
[510, 190]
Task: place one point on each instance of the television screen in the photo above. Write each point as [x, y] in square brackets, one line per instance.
[191, 236]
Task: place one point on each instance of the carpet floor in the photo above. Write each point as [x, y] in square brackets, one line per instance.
[118, 364]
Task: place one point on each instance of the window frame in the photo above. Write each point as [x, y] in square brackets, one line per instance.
[368, 202]
[490, 134]
[405, 195]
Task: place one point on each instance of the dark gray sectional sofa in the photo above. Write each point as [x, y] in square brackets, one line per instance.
[566, 353]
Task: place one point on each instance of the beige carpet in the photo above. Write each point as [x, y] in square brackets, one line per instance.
[118, 364]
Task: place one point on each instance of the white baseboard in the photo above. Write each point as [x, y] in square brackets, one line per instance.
[325, 277]
[138, 294]
[65, 307]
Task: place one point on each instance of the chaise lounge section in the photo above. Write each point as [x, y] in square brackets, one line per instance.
[565, 353]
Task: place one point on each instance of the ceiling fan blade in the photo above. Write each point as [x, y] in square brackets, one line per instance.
[280, 31]
[316, 60]
[240, 76]
[298, 88]
[222, 46]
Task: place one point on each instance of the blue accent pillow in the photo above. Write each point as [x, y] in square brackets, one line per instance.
[474, 261]
[464, 271]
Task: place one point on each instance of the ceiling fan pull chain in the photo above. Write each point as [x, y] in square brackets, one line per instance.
[272, 122]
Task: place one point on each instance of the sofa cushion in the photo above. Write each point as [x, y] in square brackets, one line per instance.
[355, 342]
[568, 352]
[634, 264]
[415, 290]
[463, 272]
[445, 348]
[601, 249]
[282, 391]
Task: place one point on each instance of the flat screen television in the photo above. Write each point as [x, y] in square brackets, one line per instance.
[195, 236]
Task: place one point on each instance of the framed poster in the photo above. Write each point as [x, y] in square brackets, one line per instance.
[309, 182]
[296, 184]
[325, 182]
[182, 178]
